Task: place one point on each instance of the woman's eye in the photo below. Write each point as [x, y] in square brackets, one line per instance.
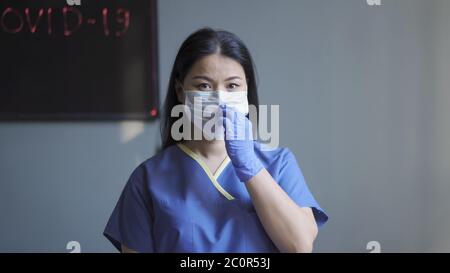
[233, 86]
[203, 86]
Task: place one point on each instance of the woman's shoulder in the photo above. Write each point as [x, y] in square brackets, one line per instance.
[163, 154]
[162, 161]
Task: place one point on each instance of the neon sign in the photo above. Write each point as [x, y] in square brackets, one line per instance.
[113, 22]
[78, 60]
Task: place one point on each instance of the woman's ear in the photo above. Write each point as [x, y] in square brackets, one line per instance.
[179, 91]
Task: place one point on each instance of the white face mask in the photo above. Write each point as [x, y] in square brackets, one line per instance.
[204, 105]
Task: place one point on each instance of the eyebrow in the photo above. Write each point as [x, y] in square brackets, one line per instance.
[210, 80]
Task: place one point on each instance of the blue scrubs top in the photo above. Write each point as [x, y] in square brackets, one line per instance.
[173, 203]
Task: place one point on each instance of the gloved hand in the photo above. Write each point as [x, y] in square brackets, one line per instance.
[239, 144]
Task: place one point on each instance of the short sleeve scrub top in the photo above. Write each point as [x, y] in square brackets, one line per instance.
[173, 203]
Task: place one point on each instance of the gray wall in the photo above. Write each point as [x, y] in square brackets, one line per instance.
[364, 104]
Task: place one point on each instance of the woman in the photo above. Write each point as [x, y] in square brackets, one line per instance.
[215, 195]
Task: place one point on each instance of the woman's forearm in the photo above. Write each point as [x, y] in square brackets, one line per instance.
[291, 228]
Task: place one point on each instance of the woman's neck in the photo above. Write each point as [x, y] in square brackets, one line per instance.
[207, 149]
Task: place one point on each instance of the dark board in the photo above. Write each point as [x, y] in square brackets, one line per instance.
[95, 61]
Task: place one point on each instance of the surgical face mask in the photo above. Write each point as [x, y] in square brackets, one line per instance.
[203, 107]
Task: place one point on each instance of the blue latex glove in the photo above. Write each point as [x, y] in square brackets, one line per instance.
[239, 144]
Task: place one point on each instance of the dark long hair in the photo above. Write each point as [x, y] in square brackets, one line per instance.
[199, 44]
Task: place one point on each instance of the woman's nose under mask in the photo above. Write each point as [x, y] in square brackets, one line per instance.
[210, 100]
[203, 106]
